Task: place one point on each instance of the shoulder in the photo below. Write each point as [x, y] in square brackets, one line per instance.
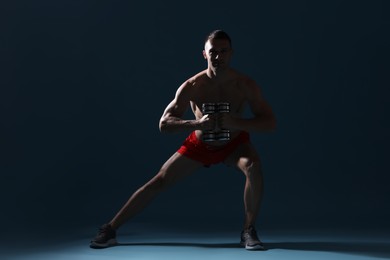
[197, 79]
[191, 85]
[194, 82]
[247, 84]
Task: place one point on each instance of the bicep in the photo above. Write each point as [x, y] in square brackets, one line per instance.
[178, 106]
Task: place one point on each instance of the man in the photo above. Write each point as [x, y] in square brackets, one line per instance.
[217, 84]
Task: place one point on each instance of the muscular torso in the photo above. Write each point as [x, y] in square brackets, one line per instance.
[231, 90]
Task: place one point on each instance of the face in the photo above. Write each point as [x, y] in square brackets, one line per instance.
[217, 52]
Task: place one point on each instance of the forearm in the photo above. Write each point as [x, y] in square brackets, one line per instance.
[174, 124]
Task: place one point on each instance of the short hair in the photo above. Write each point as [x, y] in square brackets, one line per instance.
[218, 35]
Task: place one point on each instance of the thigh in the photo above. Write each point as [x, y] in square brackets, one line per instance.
[244, 154]
[178, 166]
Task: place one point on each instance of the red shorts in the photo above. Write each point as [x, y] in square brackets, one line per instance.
[197, 150]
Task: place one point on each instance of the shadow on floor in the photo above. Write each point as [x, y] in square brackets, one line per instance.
[202, 245]
[381, 250]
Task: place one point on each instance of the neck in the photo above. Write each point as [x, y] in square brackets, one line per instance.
[217, 74]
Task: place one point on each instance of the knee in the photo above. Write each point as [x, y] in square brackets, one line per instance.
[158, 183]
[251, 167]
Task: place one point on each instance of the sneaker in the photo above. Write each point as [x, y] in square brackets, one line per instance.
[106, 237]
[250, 240]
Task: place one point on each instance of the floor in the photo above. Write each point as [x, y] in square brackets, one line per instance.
[144, 243]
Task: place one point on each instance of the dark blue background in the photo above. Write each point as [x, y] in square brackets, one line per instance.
[84, 83]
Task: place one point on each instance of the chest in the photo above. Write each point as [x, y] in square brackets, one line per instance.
[230, 93]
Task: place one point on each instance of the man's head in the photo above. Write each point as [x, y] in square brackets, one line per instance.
[218, 50]
[218, 35]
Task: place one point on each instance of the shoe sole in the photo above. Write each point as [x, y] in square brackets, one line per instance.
[255, 247]
[111, 242]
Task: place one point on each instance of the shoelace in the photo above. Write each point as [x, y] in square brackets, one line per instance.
[103, 230]
[252, 233]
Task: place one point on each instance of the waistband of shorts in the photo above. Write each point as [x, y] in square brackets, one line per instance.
[243, 135]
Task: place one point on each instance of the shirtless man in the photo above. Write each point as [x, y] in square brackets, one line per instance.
[218, 83]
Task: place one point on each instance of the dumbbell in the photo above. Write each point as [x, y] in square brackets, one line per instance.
[209, 109]
[212, 108]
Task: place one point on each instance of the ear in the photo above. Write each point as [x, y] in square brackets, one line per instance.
[204, 55]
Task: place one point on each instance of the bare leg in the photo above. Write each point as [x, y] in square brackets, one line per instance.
[175, 168]
[247, 160]
[253, 191]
